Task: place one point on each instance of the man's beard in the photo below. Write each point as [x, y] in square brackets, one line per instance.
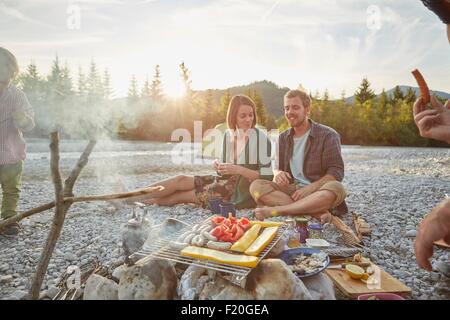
[297, 122]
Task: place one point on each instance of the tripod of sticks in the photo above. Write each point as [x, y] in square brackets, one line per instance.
[64, 198]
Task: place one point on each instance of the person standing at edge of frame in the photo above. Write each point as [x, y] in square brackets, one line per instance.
[16, 116]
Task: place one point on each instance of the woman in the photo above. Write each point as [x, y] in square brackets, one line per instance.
[243, 158]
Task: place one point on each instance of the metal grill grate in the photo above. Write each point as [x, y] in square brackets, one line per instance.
[161, 249]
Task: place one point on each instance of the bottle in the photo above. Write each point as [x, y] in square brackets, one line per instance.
[293, 241]
[301, 225]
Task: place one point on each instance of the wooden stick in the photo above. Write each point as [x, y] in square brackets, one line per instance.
[58, 219]
[70, 181]
[106, 197]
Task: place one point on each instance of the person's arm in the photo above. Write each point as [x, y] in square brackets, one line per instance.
[435, 226]
[23, 115]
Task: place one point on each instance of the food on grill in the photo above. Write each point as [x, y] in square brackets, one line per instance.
[219, 245]
[266, 224]
[229, 229]
[219, 256]
[209, 236]
[198, 240]
[305, 264]
[189, 238]
[262, 241]
[424, 92]
[178, 245]
[247, 239]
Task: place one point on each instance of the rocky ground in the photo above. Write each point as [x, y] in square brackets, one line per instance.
[391, 187]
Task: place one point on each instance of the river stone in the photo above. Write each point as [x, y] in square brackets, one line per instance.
[221, 289]
[100, 288]
[154, 280]
[320, 286]
[273, 280]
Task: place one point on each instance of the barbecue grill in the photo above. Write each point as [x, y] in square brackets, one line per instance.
[161, 249]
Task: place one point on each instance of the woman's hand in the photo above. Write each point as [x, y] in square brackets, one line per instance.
[227, 169]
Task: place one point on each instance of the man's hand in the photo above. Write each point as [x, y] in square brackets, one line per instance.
[282, 178]
[433, 123]
[303, 192]
[435, 226]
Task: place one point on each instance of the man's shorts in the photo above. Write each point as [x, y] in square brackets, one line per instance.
[263, 187]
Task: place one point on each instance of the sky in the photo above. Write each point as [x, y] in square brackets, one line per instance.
[320, 44]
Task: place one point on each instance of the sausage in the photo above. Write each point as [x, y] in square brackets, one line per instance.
[218, 245]
[424, 92]
[196, 227]
[189, 238]
[178, 245]
[203, 228]
[183, 236]
[198, 241]
[208, 236]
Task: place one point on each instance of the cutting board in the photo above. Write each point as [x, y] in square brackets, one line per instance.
[353, 288]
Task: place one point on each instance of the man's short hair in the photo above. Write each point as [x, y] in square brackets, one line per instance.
[306, 100]
[11, 62]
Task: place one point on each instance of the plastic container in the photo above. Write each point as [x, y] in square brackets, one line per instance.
[315, 231]
[380, 296]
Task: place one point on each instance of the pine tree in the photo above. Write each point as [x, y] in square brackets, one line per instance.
[208, 110]
[185, 76]
[66, 81]
[410, 97]
[156, 91]
[146, 91]
[32, 83]
[224, 103]
[133, 90]
[398, 94]
[81, 84]
[94, 84]
[107, 86]
[261, 112]
[326, 95]
[364, 92]
[383, 101]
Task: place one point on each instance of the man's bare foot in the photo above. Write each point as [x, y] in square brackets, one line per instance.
[325, 217]
[262, 213]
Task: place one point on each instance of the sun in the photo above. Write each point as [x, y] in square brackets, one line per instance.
[174, 89]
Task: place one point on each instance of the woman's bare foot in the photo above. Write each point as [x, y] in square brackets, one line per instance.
[325, 217]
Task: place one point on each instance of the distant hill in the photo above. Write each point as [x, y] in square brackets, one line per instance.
[404, 89]
[270, 92]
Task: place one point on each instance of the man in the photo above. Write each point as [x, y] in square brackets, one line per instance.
[309, 167]
[432, 123]
[16, 116]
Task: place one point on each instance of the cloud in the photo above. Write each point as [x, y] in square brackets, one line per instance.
[17, 14]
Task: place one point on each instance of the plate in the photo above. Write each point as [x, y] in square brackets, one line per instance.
[288, 256]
